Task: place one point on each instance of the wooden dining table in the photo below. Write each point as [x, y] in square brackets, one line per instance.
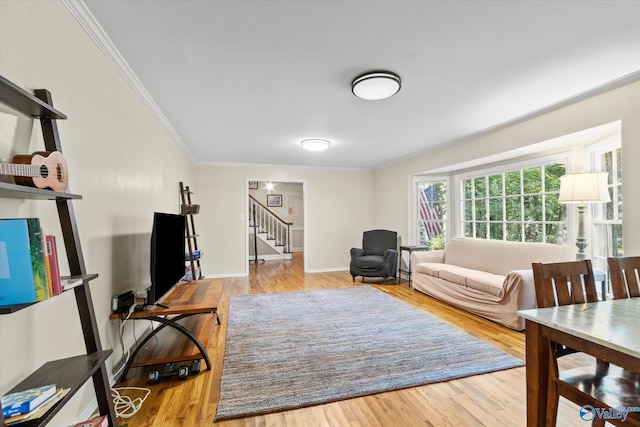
[608, 330]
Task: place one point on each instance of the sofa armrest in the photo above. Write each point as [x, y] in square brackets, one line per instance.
[522, 279]
[427, 256]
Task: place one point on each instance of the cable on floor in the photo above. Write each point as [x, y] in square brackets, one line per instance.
[124, 405]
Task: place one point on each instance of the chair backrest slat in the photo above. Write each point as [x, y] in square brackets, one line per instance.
[564, 283]
[624, 274]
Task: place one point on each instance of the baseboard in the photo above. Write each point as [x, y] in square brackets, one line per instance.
[328, 270]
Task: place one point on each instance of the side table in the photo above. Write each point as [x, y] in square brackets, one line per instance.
[601, 277]
[409, 249]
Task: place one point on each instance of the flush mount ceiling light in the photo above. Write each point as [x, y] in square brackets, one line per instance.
[376, 85]
[315, 144]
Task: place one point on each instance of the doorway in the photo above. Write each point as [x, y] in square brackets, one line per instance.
[286, 201]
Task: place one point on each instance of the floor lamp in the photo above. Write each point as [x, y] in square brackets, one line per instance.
[583, 188]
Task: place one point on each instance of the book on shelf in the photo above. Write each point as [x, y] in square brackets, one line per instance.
[47, 265]
[54, 264]
[18, 263]
[99, 421]
[37, 259]
[40, 410]
[197, 254]
[67, 283]
[23, 402]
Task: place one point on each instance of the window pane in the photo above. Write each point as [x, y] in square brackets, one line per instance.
[481, 210]
[616, 237]
[468, 211]
[556, 233]
[533, 208]
[619, 157]
[468, 229]
[495, 185]
[554, 211]
[481, 187]
[552, 177]
[533, 232]
[481, 230]
[608, 164]
[610, 212]
[620, 203]
[514, 232]
[512, 183]
[468, 189]
[496, 231]
[532, 180]
[512, 210]
[495, 210]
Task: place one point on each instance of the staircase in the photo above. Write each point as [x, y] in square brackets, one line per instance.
[270, 229]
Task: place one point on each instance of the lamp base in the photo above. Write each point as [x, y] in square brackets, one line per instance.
[581, 240]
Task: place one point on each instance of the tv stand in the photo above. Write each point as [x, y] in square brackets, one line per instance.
[186, 325]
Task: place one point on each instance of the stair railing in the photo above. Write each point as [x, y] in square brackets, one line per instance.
[270, 223]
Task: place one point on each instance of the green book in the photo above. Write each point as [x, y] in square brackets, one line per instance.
[37, 259]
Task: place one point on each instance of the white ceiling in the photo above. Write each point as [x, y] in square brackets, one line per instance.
[245, 81]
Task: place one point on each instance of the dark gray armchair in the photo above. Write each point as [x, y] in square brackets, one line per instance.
[378, 256]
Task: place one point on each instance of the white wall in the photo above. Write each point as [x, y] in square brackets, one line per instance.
[392, 182]
[338, 202]
[120, 160]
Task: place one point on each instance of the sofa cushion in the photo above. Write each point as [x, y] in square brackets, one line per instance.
[428, 268]
[454, 275]
[486, 282]
[492, 284]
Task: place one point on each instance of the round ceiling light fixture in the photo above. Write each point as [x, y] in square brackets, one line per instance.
[376, 85]
[315, 144]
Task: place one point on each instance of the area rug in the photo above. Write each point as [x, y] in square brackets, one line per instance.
[294, 349]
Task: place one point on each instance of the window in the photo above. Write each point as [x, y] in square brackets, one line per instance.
[518, 205]
[431, 213]
[607, 217]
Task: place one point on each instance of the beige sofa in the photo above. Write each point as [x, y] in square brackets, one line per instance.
[490, 278]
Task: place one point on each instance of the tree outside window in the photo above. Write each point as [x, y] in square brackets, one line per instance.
[519, 205]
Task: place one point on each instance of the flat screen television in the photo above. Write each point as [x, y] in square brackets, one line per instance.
[167, 254]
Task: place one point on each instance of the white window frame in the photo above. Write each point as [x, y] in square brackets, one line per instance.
[594, 158]
[459, 179]
[413, 220]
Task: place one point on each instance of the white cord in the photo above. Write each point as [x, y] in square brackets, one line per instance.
[125, 406]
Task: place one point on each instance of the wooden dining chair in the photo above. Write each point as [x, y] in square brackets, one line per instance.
[599, 385]
[624, 273]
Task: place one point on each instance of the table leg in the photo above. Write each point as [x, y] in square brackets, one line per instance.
[537, 355]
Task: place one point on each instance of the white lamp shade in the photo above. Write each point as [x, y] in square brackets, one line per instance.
[584, 187]
[376, 85]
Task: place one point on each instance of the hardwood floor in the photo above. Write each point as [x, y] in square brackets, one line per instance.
[494, 399]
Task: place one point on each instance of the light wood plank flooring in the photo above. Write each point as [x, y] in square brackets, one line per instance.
[494, 399]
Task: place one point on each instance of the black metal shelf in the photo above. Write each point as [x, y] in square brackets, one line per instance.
[23, 102]
[8, 309]
[70, 373]
[75, 371]
[15, 191]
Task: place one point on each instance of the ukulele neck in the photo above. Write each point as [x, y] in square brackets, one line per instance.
[17, 169]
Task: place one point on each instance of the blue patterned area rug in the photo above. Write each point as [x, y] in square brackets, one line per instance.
[294, 349]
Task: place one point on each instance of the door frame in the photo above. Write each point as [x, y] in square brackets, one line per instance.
[304, 214]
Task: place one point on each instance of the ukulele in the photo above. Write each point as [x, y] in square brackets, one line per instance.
[42, 169]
